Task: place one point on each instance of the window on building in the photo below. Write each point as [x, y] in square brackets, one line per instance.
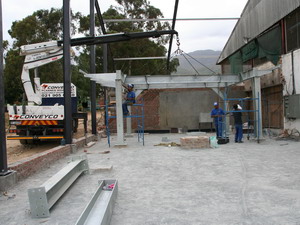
[292, 24]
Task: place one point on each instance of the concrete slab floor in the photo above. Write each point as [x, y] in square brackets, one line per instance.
[245, 183]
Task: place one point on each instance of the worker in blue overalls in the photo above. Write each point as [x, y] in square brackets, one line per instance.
[130, 99]
[217, 114]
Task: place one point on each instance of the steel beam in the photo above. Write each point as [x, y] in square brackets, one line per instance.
[181, 81]
[99, 209]
[41, 199]
[111, 38]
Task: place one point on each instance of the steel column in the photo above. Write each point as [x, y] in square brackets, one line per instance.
[120, 125]
[171, 39]
[93, 68]
[3, 156]
[256, 93]
[67, 72]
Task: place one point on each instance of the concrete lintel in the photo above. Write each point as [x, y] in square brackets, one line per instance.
[8, 180]
[256, 73]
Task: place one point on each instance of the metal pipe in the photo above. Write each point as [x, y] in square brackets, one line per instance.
[139, 58]
[163, 19]
[105, 70]
[101, 21]
[93, 68]
[67, 72]
[3, 153]
[171, 39]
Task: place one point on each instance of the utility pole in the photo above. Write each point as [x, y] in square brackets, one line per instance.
[67, 72]
[3, 156]
[105, 70]
[93, 68]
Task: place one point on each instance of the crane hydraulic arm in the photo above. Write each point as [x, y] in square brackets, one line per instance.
[43, 53]
[37, 55]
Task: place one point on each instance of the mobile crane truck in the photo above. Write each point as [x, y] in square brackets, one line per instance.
[43, 117]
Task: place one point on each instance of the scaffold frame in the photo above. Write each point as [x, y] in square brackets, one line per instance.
[137, 112]
[252, 124]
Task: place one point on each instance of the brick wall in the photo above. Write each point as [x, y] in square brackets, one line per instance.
[33, 164]
[151, 100]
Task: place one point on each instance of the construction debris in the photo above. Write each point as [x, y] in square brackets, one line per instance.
[170, 144]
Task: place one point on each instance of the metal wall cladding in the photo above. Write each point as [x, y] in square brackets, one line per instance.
[257, 16]
[292, 106]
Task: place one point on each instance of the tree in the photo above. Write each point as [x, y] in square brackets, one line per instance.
[135, 48]
[12, 77]
[41, 26]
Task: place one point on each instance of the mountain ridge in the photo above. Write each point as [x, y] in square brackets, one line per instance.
[198, 59]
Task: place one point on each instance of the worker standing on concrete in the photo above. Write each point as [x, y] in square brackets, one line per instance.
[130, 99]
[217, 114]
[238, 123]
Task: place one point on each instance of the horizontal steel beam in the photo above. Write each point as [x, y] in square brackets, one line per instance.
[111, 38]
[41, 199]
[181, 81]
[99, 209]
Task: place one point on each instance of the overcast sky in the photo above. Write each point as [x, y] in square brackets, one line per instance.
[194, 35]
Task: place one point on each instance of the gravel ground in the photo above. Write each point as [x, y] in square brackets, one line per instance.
[247, 183]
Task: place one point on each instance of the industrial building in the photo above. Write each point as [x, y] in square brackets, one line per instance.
[267, 37]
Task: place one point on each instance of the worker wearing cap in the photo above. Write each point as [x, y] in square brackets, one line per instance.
[238, 123]
[130, 99]
[217, 114]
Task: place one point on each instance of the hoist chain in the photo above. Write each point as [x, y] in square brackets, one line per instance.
[178, 51]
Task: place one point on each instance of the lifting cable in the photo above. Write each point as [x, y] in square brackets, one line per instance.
[182, 53]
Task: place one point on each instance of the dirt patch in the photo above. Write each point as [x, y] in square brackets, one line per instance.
[16, 151]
